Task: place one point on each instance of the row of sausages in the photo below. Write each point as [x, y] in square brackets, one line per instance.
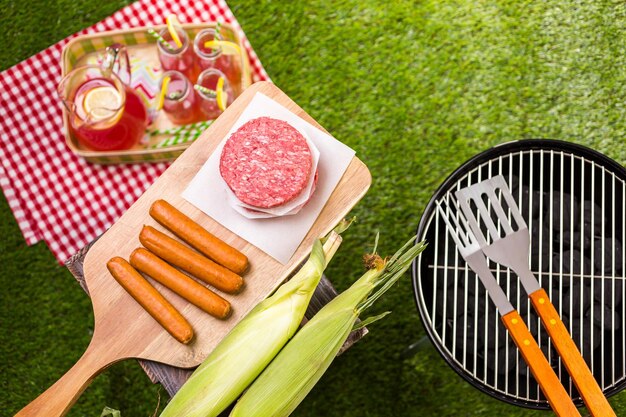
[214, 262]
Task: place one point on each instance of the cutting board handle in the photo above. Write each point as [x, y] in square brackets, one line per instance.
[59, 398]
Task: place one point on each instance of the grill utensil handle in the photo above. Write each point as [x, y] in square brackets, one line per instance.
[550, 384]
[587, 386]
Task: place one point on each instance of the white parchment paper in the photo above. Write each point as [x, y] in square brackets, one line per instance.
[279, 237]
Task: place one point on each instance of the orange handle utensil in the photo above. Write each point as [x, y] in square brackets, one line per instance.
[469, 247]
[509, 246]
[550, 384]
[587, 386]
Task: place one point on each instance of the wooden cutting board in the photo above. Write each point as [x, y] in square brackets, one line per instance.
[123, 329]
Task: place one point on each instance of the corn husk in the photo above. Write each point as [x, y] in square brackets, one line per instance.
[254, 342]
[301, 363]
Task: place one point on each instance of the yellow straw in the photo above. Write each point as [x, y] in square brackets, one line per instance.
[166, 83]
[172, 24]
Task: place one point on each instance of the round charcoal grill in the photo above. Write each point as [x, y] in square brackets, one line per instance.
[573, 200]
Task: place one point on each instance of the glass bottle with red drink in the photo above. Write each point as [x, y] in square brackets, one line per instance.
[181, 102]
[177, 58]
[215, 95]
[213, 52]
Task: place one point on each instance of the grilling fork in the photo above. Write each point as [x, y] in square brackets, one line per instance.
[510, 248]
[470, 248]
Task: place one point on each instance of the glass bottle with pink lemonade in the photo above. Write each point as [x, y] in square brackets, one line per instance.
[181, 102]
[177, 58]
[214, 52]
[215, 93]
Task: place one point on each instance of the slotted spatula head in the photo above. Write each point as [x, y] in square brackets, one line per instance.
[469, 246]
[491, 199]
[458, 227]
[491, 205]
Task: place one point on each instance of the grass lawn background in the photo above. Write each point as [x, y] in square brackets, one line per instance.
[416, 88]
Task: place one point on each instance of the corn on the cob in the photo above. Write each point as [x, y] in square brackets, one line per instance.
[252, 343]
[302, 362]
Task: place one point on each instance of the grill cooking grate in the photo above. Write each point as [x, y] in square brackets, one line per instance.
[575, 210]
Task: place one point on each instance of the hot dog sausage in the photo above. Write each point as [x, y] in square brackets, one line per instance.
[189, 260]
[198, 237]
[200, 296]
[150, 299]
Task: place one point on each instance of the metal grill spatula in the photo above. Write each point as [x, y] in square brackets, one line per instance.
[488, 203]
[470, 248]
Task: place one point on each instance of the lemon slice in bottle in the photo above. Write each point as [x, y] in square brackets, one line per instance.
[227, 47]
[163, 93]
[102, 103]
[172, 25]
[221, 96]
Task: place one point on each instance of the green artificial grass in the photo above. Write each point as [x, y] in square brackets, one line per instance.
[416, 88]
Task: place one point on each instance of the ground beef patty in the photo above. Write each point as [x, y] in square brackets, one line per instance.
[266, 162]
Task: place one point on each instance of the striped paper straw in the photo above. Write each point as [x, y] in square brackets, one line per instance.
[161, 40]
[181, 134]
[218, 26]
[207, 91]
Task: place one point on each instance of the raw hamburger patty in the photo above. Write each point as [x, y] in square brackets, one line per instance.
[266, 162]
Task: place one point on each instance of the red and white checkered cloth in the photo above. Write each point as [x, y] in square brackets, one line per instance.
[55, 195]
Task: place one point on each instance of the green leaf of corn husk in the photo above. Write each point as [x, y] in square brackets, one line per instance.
[373, 319]
[252, 343]
[301, 363]
[108, 411]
